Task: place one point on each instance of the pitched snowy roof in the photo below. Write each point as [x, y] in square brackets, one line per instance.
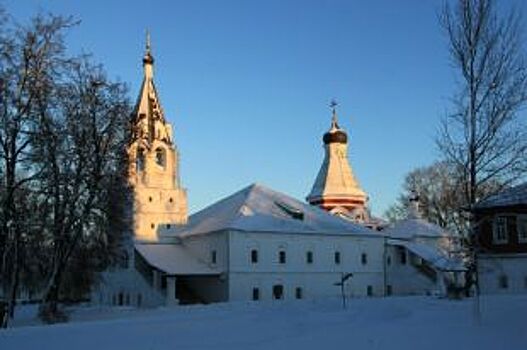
[259, 209]
[432, 255]
[414, 227]
[173, 259]
[513, 196]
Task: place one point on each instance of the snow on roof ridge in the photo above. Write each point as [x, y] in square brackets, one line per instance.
[258, 208]
[410, 227]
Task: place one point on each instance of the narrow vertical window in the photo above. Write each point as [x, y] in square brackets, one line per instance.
[389, 290]
[337, 258]
[369, 291]
[256, 293]
[521, 228]
[364, 258]
[504, 282]
[499, 230]
[213, 256]
[298, 293]
[309, 257]
[254, 256]
[281, 257]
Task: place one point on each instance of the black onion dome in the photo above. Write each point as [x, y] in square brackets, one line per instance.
[148, 59]
[335, 136]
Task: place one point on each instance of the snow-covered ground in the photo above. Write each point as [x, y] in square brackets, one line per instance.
[383, 323]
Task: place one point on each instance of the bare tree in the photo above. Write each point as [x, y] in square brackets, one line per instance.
[63, 194]
[441, 200]
[81, 147]
[26, 53]
[484, 135]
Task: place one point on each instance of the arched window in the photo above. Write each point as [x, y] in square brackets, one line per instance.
[254, 256]
[140, 159]
[160, 157]
[281, 257]
[278, 291]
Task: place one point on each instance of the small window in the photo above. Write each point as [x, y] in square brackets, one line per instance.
[256, 293]
[499, 230]
[309, 257]
[504, 282]
[521, 228]
[389, 290]
[170, 200]
[298, 293]
[149, 199]
[121, 299]
[254, 256]
[152, 226]
[281, 257]
[388, 260]
[139, 299]
[369, 291]
[364, 258]
[168, 226]
[337, 258]
[213, 256]
[278, 292]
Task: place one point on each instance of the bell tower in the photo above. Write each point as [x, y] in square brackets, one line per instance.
[153, 168]
[336, 189]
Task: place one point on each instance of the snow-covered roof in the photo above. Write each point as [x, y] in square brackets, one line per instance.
[432, 255]
[174, 259]
[415, 227]
[513, 196]
[259, 209]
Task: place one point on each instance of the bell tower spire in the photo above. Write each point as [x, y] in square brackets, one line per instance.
[148, 59]
[334, 120]
[336, 189]
[153, 169]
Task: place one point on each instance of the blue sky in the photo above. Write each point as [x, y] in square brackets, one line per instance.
[246, 84]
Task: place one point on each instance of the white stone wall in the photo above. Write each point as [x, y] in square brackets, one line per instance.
[512, 267]
[405, 279]
[316, 279]
[130, 284]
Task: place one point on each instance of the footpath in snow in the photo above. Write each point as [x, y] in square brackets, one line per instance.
[385, 323]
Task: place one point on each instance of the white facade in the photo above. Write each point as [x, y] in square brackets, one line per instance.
[502, 273]
[310, 269]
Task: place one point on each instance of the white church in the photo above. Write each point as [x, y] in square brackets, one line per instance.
[260, 244]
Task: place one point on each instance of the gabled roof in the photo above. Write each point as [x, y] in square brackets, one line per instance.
[513, 196]
[415, 227]
[259, 209]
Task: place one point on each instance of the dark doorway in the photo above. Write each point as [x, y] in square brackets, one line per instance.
[278, 291]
